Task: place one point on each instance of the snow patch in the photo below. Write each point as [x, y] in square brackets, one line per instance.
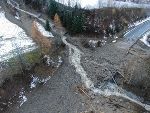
[116, 37]
[12, 39]
[139, 22]
[51, 62]
[17, 16]
[43, 31]
[145, 39]
[114, 41]
[35, 81]
[93, 43]
[22, 97]
[88, 4]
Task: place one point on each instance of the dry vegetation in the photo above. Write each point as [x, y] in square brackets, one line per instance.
[100, 19]
[44, 42]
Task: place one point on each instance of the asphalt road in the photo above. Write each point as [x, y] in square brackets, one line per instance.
[134, 34]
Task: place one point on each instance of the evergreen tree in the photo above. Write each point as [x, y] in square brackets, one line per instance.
[47, 26]
[77, 24]
[52, 8]
[67, 19]
[77, 21]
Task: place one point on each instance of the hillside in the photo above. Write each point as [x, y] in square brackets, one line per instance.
[61, 59]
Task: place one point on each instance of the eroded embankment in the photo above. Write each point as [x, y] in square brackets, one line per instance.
[106, 89]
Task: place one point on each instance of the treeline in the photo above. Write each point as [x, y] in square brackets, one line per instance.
[106, 21]
[73, 19]
[36, 4]
[109, 21]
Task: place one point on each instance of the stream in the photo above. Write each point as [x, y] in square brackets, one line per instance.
[106, 89]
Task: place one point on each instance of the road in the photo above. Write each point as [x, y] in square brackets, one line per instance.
[134, 34]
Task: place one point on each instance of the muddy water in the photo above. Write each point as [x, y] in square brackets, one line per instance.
[106, 89]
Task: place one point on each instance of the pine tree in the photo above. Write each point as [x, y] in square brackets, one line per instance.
[47, 26]
[77, 21]
[77, 24]
[52, 8]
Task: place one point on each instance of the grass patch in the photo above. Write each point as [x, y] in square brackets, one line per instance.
[25, 60]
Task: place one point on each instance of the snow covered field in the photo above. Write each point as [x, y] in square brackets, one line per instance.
[102, 3]
[145, 39]
[42, 30]
[13, 39]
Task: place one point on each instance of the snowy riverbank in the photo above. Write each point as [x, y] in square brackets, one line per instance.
[13, 39]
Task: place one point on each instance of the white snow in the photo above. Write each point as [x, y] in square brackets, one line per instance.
[90, 4]
[43, 31]
[50, 62]
[139, 22]
[16, 5]
[116, 37]
[114, 41]
[59, 61]
[145, 38]
[22, 97]
[13, 39]
[17, 16]
[46, 79]
[93, 43]
[34, 82]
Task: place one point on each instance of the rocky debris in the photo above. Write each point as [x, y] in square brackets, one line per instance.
[93, 43]
[51, 62]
